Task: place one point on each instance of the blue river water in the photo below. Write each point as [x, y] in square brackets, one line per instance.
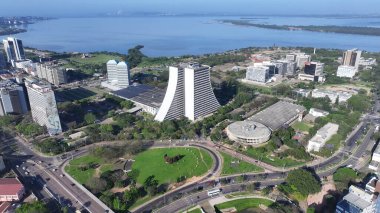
[175, 36]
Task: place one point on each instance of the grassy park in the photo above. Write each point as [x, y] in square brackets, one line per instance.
[301, 126]
[244, 204]
[232, 165]
[75, 171]
[90, 65]
[195, 162]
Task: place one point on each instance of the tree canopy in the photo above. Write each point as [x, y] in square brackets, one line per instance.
[303, 181]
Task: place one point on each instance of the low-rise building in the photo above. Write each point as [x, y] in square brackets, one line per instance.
[341, 96]
[346, 71]
[302, 92]
[307, 77]
[248, 132]
[367, 62]
[322, 136]
[11, 189]
[317, 112]
[356, 201]
[374, 164]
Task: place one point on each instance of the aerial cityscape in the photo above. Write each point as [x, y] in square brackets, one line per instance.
[113, 107]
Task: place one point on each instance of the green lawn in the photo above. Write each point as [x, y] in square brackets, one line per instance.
[82, 176]
[241, 167]
[334, 143]
[88, 65]
[301, 126]
[195, 211]
[246, 203]
[195, 162]
[274, 161]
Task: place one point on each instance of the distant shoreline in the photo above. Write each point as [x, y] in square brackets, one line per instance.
[370, 31]
[15, 25]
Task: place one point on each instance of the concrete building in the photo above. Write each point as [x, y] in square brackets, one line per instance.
[52, 73]
[118, 75]
[314, 68]
[289, 67]
[12, 98]
[189, 93]
[352, 58]
[346, 71]
[302, 92]
[14, 50]
[322, 136]
[257, 74]
[248, 132]
[375, 163]
[367, 62]
[357, 201]
[43, 105]
[11, 189]
[332, 95]
[280, 114]
[302, 59]
[307, 77]
[318, 113]
[291, 57]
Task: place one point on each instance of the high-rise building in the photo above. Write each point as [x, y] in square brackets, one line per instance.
[257, 73]
[352, 58]
[43, 105]
[346, 71]
[53, 74]
[12, 98]
[189, 93]
[2, 60]
[118, 75]
[314, 68]
[14, 49]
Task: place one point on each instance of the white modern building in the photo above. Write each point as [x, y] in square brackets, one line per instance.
[118, 75]
[14, 50]
[53, 74]
[374, 164]
[322, 136]
[357, 201]
[346, 71]
[302, 59]
[12, 98]
[307, 77]
[248, 132]
[189, 93]
[318, 113]
[332, 95]
[302, 92]
[43, 105]
[258, 73]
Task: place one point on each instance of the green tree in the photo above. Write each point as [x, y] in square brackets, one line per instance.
[89, 118]
[34, 207]
[151, 185]
[343, 177]
[127, 104]
[303, 181]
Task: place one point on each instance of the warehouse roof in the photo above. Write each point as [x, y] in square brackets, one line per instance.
[278, 114]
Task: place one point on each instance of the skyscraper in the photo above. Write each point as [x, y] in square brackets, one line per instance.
[351, 58]
[14, 49]
[43, 105]
[12, 98]
[189, 93]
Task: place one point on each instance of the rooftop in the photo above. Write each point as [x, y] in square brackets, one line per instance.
[248, 129]
[325, 133]
[144, 94]
[10, 186]
[278, 114]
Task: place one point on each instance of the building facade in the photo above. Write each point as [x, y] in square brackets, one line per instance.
[257, 74]
[43, 105]
[314, 68]
[13, 100]
[118, 75]
[14, 49]
[53, 74]
[346, 71]
[189, 93]
[322, 136]
[352, 58]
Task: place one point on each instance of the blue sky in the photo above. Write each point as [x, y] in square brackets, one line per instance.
[62, 8]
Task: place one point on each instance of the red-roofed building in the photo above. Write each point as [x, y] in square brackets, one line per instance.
[11, 189]
[4, 207]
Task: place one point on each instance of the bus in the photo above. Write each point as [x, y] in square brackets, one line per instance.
[213, 192]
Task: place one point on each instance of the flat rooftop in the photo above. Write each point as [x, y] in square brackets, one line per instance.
[248, 129]
[143, 94]
[277, 115]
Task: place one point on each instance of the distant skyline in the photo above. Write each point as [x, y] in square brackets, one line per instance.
[88, 8]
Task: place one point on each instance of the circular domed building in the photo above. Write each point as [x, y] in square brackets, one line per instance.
[248, 132]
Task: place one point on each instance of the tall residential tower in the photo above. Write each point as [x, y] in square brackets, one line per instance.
[43, 105]
[14, 49]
